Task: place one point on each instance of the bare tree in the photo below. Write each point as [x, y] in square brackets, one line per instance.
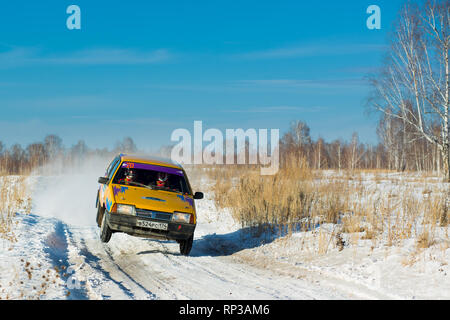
[336, 152]
[413, 86]
[320, 154]
[80, 149]
[297, 140]
[36, 155]
[18, 159]
[354, 152]
[127, 145]
[53, 146]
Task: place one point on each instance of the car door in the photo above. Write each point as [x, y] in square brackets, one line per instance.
[108, 174]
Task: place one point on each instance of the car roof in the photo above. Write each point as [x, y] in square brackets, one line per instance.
[155, 160]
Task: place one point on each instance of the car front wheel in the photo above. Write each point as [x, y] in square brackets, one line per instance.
[186, 245]
[100, 214]
[105, 231]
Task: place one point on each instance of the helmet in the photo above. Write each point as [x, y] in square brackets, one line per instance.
[162, 176]
[130, 174]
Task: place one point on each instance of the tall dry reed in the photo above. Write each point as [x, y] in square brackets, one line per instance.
[383, 207]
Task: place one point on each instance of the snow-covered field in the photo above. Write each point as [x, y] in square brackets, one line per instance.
[58, 255]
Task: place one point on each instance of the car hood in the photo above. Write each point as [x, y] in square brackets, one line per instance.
[157, 200]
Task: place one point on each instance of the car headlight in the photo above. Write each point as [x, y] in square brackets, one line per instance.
[126, 209]
[181, 217]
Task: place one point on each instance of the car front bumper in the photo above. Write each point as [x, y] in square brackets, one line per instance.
[128, 224]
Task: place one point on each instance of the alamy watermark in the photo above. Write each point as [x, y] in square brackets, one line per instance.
[241, 147]
[74, 20]
[374, 20]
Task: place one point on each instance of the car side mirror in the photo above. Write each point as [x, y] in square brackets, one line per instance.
[103, 180]
[198, 195]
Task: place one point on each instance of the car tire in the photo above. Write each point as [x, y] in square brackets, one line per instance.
[186, 245]
[100, 214]
[105, 231]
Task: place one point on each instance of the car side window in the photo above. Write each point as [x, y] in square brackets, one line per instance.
[116, 164]
[111, 166]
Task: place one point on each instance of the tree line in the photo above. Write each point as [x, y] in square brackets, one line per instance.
[393, 152]
[17, 160]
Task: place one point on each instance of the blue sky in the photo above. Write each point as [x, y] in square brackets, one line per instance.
[145, 68]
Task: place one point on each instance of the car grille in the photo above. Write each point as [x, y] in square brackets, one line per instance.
[153, 214]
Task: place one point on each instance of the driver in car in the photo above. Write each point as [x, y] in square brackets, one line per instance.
[130, 176]
[162, 179]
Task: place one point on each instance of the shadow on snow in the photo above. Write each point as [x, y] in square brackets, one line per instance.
[215, 245]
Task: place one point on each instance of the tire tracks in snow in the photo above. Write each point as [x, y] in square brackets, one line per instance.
[126, 274]
[100, 275]
[148, 269]
[347, 288]
[222, 277]
[56, 247]
[107, 278]
[143, 273]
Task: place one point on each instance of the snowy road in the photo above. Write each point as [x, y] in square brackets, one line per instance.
[134, 268]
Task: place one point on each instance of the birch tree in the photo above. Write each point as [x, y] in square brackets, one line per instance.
[413, 85]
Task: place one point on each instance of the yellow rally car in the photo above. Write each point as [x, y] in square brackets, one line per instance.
[147, 197]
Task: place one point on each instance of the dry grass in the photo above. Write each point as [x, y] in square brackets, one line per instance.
[14, 196]
[30, 279]
[281, 199]
[32, 282]
[382, 206]
[425, 240]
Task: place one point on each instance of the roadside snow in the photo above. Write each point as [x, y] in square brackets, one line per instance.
[58, 255]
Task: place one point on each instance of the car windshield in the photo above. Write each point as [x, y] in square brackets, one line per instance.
[152, 177]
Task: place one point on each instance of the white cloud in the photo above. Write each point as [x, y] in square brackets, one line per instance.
[64, 104]
[302, 83]
[21, 56]
[278, 109]
[321, 49]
